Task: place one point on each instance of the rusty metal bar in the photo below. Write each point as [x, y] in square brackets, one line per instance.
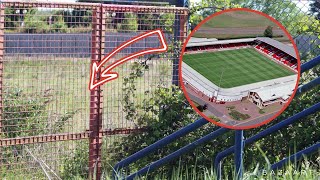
[44, 138]
[154, 9]
[184, 26]
[1, 61]
[109, 7]
[49, 4]
[64, 137]
[1, 69]
[95, 124]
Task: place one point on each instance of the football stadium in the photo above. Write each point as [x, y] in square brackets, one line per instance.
[260, 70]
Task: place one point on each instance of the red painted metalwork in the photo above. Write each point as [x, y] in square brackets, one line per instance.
[95, 98]
[46, 110]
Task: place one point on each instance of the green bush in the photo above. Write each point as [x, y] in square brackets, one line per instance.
[23, 114]
[75, 165]
[35, 23]
[59, 25]
[38, 22]
[130, 23]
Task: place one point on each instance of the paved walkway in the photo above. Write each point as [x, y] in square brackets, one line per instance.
[220, 110]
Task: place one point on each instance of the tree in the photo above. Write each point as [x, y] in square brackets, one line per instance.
[59, 25]
[35, 22]
[274, 8]
[76, 18]
[11, 18]
[315, 8]
[268, 32]
[129, 23]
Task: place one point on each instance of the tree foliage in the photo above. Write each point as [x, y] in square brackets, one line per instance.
[77, 18]
[129, 23]
[315, 8]
[268, 32]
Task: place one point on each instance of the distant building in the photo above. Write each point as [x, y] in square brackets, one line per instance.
[267, 96]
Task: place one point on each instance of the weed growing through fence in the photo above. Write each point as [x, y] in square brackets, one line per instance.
[23, 114]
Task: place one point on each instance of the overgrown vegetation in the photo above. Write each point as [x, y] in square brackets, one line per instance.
[23, 114]
[76, 167]
[36, 21]
[26, 114]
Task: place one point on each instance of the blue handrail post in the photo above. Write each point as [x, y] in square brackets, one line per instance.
[239, 144]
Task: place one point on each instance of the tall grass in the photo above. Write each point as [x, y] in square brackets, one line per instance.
[297, 170]
[305, 172]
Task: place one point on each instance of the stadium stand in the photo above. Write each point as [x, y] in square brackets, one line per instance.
[261, 93]
[279, 52]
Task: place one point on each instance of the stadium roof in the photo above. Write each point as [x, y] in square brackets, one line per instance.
[200, 40]
[267, 94]
[196, 43]
[285, 48]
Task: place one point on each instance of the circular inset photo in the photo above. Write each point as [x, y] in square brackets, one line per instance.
[239, 68]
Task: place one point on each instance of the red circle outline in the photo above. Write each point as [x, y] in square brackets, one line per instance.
[250, 126]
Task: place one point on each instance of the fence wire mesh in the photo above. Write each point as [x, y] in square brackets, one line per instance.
[47, 50]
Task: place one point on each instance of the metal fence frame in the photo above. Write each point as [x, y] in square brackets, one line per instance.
[96, 132]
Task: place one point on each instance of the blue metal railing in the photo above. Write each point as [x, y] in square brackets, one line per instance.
[296, 156]
[178, 153]
[217, 163]
[159, 144]
[239, 143]
[310, 64]
[308, 86]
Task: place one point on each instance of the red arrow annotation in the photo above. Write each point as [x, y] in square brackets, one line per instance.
[106, 75]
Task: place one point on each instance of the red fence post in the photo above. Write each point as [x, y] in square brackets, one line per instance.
[95, 124]
[183, 26]
[1, 72]
[1, 61]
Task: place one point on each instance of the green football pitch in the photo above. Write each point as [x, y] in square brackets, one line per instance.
[232, 68]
